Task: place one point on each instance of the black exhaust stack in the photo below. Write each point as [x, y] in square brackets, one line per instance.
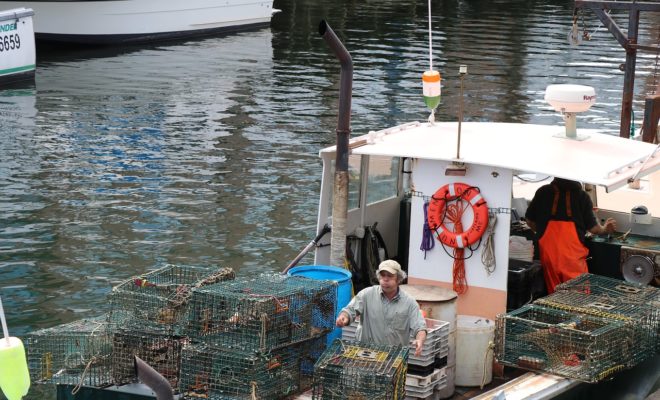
[340, 189]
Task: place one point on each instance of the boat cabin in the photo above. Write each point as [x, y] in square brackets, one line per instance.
[394, 172]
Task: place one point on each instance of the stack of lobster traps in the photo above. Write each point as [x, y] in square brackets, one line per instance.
[256, 337]
[210, 334]
[354, 370]
[148, 317]
[589, 329]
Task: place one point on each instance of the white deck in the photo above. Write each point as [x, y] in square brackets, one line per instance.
[602, 159]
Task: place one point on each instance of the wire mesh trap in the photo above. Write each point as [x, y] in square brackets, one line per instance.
[641, 320]
[215, 373]
[599, 285]
[576, 346]
[71, 353]
[262, 313]
[160, 298]
[359, 371]
[162, 352]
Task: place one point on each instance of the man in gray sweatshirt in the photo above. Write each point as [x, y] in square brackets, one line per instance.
[387, 315]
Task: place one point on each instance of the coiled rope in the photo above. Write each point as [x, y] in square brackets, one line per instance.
[427, 235]
[488, 254]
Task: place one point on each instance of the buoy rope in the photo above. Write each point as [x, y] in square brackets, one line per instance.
[455, 215]
[427, 235]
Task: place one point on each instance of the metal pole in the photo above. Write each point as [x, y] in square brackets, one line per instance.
[629, 76]
[462, 71]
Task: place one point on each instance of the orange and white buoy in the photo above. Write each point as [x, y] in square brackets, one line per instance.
[431, 89]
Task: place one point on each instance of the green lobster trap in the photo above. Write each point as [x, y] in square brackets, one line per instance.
[354, 370]
[611, 288]
[216, 373]
[159, 299]
[262, 313]
[576, 346]
[635, 304]
[72, 353]
[161, 351]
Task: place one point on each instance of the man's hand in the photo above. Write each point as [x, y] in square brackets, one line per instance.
[419, 342]
[342, 320]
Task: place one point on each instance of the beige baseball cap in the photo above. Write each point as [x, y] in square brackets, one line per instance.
[390, 266]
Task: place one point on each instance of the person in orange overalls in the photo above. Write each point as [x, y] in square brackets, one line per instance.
[561, 213]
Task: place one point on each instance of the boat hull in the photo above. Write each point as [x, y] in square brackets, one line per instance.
[17, 48]
[127, 21]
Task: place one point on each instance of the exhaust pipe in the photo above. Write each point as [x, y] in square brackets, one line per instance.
[155, 381]
[340, 189]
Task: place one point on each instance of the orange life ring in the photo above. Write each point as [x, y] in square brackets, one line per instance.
[436, 214]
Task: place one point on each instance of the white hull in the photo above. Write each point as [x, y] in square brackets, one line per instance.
[17, 49]
[117, 21]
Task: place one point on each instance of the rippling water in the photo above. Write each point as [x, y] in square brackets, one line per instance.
[204, 152]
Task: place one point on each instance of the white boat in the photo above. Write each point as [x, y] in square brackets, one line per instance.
[118, 21]
[17, 49]
[394, 172]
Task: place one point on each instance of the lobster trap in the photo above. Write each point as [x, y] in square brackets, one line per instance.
[162, 352]
[641, 319]
[216, 373]
[72, 353]
[576, 346]
[354, 370]
[159, 299]
[614, 289]
[262, 313]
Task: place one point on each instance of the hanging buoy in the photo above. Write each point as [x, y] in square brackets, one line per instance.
[431, 89]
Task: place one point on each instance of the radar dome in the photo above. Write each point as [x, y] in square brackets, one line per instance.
[570, 98]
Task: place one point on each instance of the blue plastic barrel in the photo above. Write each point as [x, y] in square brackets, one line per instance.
[326, 273]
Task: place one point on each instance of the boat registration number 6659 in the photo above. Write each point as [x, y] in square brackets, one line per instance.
[10, 42]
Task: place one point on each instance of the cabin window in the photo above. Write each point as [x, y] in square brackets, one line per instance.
[354, 181]
[383, 180]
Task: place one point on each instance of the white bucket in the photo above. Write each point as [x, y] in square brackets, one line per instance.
[474, 354]
[439, 303]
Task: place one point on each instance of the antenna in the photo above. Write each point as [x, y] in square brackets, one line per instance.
[431, 79]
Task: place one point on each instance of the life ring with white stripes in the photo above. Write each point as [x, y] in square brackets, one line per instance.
[437, 213]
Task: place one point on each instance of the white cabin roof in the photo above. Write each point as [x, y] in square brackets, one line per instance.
[601, 159]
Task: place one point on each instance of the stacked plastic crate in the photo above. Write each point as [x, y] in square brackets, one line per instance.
[426, 373]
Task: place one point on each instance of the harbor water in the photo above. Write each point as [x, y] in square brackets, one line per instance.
[115, 161]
